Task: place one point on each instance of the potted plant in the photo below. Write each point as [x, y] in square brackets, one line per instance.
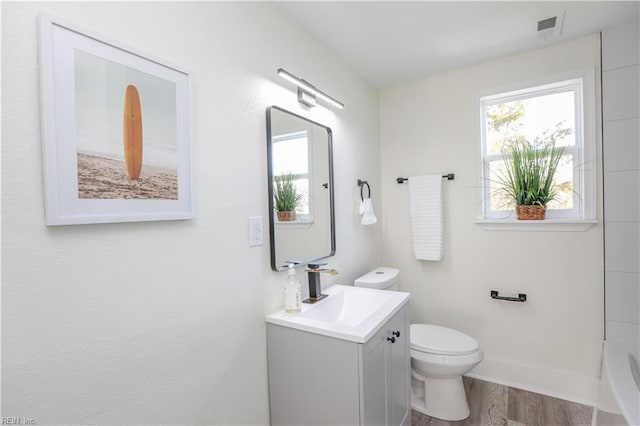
[286, 197]
[529, 170]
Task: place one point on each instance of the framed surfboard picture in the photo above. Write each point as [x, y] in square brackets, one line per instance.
[116, 130]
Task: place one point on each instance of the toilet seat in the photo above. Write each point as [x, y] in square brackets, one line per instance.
[439, 340]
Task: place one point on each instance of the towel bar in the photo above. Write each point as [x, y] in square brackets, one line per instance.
[448, 176]
[521, 297]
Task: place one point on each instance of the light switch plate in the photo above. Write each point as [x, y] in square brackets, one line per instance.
[256, 231]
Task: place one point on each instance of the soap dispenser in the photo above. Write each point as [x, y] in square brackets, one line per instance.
[292, 292]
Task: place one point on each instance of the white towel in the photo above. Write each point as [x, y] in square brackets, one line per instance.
[366, 210]
[427, 216]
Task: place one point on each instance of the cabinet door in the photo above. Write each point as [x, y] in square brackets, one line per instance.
[374, 380]
[399, 370]
[385, 374]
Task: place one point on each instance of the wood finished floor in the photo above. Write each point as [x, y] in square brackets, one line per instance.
[492, 405]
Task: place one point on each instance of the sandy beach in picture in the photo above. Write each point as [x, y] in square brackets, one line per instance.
[105, 178]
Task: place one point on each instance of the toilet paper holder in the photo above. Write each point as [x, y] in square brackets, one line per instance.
[522, 297]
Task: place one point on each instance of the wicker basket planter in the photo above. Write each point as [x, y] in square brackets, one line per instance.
[286, 216]
[530, 212]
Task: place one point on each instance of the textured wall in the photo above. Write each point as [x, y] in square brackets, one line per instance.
[163, 322]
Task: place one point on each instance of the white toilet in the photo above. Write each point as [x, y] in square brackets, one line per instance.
[439, 358]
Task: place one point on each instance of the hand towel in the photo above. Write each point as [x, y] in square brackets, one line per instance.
[366, 210]
[427, 216]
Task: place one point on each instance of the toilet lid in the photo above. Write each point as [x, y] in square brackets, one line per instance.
[441, 340]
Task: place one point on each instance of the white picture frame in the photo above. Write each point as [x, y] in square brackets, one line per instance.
[83, 80]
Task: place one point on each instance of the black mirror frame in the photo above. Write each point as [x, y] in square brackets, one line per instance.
[270, 190]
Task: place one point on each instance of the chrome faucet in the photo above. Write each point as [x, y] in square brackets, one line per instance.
[315, 289]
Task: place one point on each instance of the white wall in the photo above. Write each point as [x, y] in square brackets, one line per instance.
[162, 322]
[551, 343]
[621, 118]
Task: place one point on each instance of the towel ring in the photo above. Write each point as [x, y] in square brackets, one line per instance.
[361, 184]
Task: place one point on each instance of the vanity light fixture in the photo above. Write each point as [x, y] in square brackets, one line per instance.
[307, 92]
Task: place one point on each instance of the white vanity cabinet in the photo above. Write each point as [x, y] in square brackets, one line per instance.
[316, 379]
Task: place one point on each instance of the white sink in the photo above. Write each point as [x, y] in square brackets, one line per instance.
[349, 306]
[349, 313]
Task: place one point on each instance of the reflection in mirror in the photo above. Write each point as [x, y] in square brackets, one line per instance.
[300, 168]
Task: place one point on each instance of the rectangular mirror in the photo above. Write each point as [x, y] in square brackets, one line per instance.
[300, 177]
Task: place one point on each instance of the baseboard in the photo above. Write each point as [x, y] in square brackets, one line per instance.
[532, 378]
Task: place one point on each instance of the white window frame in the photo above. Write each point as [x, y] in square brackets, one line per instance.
[584, 213]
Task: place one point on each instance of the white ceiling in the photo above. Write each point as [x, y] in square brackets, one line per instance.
[391, 42]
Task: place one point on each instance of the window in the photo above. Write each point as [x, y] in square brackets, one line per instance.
[293, 150]
[543, 114]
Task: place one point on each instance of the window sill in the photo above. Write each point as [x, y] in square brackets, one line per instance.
[546, 225]
[294, 224]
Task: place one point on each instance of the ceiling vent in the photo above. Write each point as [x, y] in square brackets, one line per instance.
[550, 26]
[547, 24]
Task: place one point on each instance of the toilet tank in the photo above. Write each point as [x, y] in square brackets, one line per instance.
[382, 278]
